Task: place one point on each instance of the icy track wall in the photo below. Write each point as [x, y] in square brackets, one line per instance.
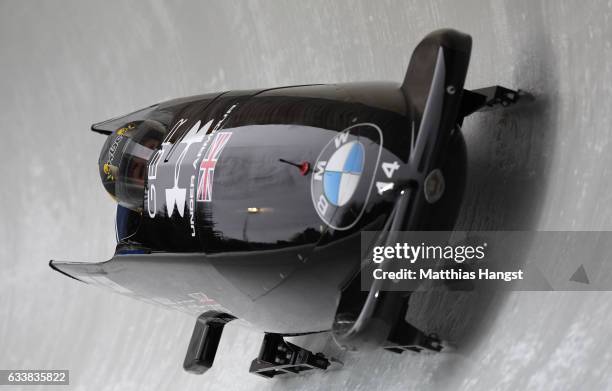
[68, 64]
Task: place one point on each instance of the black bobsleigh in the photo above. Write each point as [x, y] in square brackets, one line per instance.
[250, 204]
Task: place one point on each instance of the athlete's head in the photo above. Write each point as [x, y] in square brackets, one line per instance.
[123, 161]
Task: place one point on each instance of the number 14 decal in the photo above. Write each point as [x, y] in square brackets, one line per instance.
[389, 170]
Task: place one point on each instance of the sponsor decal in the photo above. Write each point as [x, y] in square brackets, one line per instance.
[111, 167]
[151, 194]
[344, 173]
[175, 196]
[192, 181]
[208, 163]
[188, 182]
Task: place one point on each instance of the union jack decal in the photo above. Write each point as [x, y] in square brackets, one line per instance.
[207, 166]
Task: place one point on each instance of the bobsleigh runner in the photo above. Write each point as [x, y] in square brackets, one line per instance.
[250, 204]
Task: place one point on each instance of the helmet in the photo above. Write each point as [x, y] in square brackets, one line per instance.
[124, 158]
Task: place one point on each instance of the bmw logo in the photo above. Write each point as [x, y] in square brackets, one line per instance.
[344, 175]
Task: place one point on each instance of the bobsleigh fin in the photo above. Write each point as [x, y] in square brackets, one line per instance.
[432, 89]
[456, 47]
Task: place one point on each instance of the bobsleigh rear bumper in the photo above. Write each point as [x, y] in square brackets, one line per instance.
[433, 88]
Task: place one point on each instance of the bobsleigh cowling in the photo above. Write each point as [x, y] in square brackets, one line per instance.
[250, 204]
